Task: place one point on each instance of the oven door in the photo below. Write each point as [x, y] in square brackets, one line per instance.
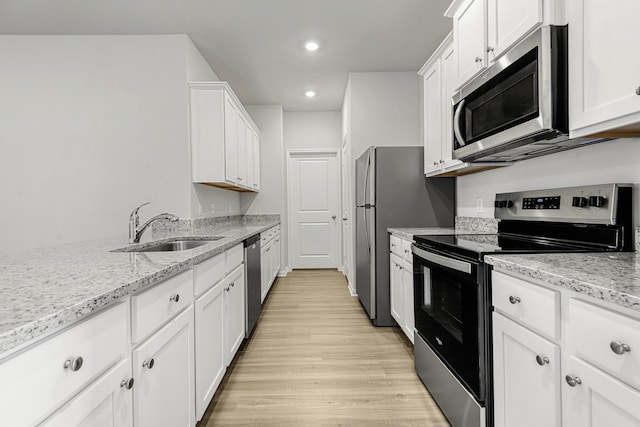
[449, 313]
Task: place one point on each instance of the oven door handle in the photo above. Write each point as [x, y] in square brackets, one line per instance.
[451, 263]
[456, 123]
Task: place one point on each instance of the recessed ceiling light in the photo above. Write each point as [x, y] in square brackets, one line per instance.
[310, 94]
[311, 45]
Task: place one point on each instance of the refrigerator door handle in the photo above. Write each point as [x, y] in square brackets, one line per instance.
[366, 182]
[366, 232]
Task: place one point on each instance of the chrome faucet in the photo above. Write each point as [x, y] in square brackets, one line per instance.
[135, 232]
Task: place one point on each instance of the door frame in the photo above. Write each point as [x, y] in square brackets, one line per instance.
[309, 151]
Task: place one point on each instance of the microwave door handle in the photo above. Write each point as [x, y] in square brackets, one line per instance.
[456, 123]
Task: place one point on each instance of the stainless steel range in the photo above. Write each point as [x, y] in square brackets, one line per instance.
[452, 289]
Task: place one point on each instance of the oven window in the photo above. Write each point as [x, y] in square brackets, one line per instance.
[505, 101]
[443, 302]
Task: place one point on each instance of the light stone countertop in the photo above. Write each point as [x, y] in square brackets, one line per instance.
[408, 233]
[45, 289]
[613, 277]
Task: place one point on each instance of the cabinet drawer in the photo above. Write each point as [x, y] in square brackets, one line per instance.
[153, 307]
[235, 257]
[593, 333]
[208, 273]
[395, 245]
[530, 304]
[406, 251]
[36, 382]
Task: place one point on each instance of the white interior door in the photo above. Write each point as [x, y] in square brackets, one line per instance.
[314, 209]
[346, 242]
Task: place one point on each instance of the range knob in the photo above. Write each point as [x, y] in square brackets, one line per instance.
[579, 202]
[597, 201]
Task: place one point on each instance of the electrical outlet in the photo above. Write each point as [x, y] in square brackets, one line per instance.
[479, 207]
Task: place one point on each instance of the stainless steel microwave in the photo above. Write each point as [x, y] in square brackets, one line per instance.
[518, 107]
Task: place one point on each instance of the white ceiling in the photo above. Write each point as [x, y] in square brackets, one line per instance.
[256, 45]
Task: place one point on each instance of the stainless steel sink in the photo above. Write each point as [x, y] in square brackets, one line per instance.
[174, 245]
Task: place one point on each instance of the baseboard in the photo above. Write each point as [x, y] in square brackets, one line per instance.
[284, 272]
[352, 289]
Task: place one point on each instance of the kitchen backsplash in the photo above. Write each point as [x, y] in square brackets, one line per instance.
[474, 224]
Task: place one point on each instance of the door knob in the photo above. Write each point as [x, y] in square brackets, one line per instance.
[344, 219]
[333, 217]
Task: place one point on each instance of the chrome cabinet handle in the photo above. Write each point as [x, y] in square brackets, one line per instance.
[74, 364]
[489, 49]
[406, 251]
[514, 299]
[572, 380]
[619, 348]
[344, 219]
[441, 161]
[148, 363]
[227, 289]
[435, 163]
[478, 59]
[128, 384]
[542, 360]
[175, 298]
[232, 284]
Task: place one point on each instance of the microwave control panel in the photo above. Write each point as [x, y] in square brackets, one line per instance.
[549, 202]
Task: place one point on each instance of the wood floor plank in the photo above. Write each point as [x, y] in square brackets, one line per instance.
[314, 359]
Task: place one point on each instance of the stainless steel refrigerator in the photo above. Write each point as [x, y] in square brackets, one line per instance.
[392, 191]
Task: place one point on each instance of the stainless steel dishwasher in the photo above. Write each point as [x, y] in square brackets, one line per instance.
[252, 282]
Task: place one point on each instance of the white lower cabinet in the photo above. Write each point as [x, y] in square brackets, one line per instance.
[234, 308]
[163, 369]
[526, 376]
[396, 289]
[269, 259]
[209, 344]
[595, 399]
[597, 384]
[107, 402]
[401, 284]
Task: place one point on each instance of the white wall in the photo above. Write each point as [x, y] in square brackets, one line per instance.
[384, 110]
[311, 130]
[605, 162]
[88, 134]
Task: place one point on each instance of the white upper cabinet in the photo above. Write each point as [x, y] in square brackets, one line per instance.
[222, 134]
[484, 29]
[508, 21]
[438, 84]
[470, 39]
[604, 72]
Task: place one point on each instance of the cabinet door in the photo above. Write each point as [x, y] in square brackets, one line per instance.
[234, 313]
[104, 403]
[598, 400]
[526, 372]
[264, 272]
[242, 149]
[163, 394]
[256, 161]
[432, 96]
[250, 159]
[510, 20]
[470, 38]
[230, 139]
[209, 346]
[604, 77]
[276, 257]
[448, 88]
[407, 285]
[396, 290]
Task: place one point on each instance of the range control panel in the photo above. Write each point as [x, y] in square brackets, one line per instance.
[587, 204]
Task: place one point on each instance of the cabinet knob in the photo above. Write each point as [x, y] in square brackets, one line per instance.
[148, 363]
[435, 163]
[638, 90]
[333, 217]
[514, 299]
[344, 219]
[175, 298]
[478, 59]
[227, 289]
[74, 363]
[128, 384]
[232, 284]
[489, 49]
[619, 348]
[572, 380]
[401, 267]
[542, 360]
[406, 251]
[441, 161]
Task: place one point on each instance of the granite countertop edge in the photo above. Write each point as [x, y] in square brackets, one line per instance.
[569, 278]
[22, 335]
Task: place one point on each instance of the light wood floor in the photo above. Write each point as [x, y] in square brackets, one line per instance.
[314, 359]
